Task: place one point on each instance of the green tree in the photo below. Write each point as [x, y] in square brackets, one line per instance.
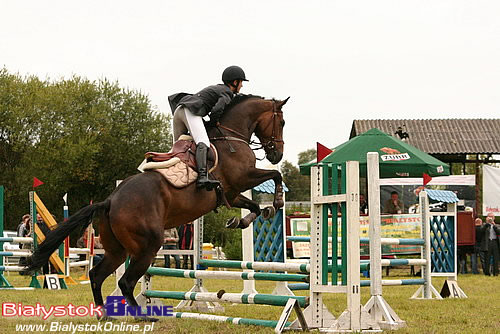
[307, 156]
[298, 185]
[215, 232]
[76, 135]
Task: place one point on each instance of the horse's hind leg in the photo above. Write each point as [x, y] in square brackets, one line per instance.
[114, 256]
[136, 269]
[100, 272]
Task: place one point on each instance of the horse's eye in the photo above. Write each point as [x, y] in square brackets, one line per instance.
[282, 123]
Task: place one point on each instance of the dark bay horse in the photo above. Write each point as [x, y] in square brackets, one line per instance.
[132, 219]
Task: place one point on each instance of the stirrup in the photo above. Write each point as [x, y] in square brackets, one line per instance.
[208, 184]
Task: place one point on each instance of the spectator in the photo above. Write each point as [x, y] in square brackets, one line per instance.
[490, 244]
[363, 205]
[41, 225]
[97, 245]
[82, 242]
[462, 260]
[170, 239]
[477, 248]
[186, 234]
[394, 205]
[24, 230]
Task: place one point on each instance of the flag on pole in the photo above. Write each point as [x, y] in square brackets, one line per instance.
[321, 152]
[427, 178]
[36, 182]
[65, 198]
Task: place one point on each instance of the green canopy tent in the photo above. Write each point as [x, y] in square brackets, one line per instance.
[396, 158]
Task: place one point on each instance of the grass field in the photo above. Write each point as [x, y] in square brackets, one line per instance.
[480, 313]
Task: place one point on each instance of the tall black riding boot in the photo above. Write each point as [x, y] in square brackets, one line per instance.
[201, 164]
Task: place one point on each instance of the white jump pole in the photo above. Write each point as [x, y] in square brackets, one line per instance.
[377, 307]
[247, 247]
[426, 291]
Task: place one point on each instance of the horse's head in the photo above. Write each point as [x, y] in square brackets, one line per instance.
[269, 130]
[250, 114]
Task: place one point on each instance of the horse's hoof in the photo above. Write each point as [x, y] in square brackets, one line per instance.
[233, 223]
[146, 319]
[220, 293]
[268, 212]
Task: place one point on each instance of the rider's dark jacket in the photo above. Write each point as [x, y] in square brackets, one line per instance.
[210, 100]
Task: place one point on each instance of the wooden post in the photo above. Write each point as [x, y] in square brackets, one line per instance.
[353, 253]
[247, 246]
[380, 311]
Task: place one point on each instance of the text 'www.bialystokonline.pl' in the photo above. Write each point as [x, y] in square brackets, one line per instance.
[11, 310]
[59, 327]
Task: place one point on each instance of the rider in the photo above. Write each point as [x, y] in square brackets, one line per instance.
[190, 110]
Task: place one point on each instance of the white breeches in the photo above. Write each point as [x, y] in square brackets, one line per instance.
[193, 123]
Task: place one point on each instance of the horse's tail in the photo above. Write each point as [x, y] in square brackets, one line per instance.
[82, 218]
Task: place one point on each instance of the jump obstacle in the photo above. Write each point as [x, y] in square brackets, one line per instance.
[56, 259]
[438, 241]
[199, 299]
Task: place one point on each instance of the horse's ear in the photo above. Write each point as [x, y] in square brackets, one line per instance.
[282, 103]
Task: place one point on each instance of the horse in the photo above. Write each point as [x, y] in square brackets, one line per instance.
[132, 219]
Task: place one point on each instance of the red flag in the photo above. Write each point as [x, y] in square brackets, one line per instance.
[36, 182]
[322, 152]
[427, 178]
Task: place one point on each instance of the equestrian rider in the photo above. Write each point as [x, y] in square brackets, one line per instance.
[190, 110]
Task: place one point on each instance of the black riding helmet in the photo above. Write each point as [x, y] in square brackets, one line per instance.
[233, 73]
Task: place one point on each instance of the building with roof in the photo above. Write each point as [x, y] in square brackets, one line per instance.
[454, 141]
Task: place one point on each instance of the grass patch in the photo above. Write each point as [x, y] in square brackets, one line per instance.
[477, 314]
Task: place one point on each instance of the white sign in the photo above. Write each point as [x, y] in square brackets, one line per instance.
[491, 190]
[395, 157]
[51, 282]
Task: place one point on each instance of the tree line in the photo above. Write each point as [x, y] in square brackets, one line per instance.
[76, 135]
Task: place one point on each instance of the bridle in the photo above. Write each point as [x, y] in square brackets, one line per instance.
[268, 143]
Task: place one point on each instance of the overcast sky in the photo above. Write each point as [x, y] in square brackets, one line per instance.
[338, 60]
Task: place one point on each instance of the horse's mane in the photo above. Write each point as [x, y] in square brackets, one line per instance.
[239, 98]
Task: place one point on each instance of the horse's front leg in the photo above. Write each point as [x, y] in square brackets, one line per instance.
[244, 203]
[257, 176]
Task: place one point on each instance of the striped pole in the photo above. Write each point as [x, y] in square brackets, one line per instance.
[66, 241]
[269, 266]
[299, 286]
[384, 241]
[393, 282]
[227, 275]
[266, 266]
[364, 283]
[14, 253]
[403, 262]
[237, 298]
[34, 280]
[11, 268]
[17, 240]
[233, 320]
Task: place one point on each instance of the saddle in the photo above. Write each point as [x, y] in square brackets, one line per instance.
[179, 165]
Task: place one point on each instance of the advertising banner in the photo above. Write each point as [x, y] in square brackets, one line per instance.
[491, 190]
[405, 226]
